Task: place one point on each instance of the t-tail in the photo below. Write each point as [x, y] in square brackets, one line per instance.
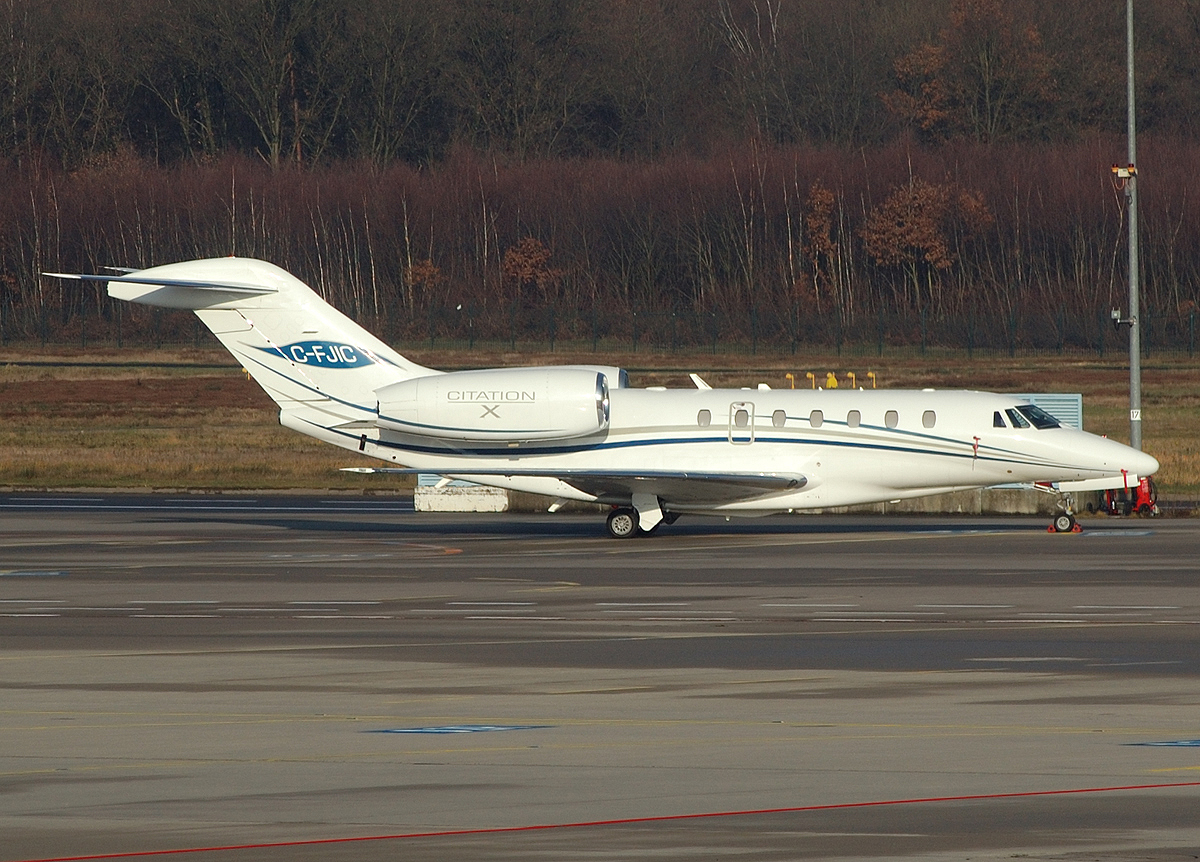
[319, 366]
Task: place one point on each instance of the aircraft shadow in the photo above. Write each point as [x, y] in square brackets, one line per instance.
[592, 527]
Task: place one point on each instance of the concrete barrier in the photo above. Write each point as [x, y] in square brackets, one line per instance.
[431, 495]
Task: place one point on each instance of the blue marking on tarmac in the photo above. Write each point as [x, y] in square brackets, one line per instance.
[462, 728]
[32, 574]
[1124, 534]
[1179, 743]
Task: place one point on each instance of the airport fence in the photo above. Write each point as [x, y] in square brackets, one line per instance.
[747, 331]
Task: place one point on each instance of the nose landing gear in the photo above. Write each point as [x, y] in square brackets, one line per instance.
[1064, 521]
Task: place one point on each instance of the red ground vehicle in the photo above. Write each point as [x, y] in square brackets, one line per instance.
[1141, 498]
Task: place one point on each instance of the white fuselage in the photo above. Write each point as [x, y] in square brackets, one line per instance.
[904, 444]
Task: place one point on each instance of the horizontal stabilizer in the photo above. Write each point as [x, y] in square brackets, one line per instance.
[190, 284]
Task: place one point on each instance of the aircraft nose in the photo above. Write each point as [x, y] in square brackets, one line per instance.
[1142, 464]
[1117, 456]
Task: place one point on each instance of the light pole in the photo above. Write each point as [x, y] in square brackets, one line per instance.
[1135, 335]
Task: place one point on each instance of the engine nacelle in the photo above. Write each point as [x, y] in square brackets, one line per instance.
[509, 404]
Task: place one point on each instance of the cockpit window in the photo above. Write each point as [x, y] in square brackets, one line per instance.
[1039, 417]
[998, 420]
[1017, 420]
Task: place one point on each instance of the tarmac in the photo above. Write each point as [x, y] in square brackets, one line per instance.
[271, 678]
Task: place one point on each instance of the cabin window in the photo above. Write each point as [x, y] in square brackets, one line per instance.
[816, 418]
[1017, 420]
[853, 418]
[704, 418]
[928, 418]
[741, 418]
[998, 420]
[778, 418]
[891, 419]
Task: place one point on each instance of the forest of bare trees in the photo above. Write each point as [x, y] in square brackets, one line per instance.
[664, 171]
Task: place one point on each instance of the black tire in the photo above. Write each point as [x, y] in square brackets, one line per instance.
[670, 518]
[622, 523]
[1064, 523]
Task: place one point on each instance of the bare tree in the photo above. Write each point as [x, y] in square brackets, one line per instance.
[396, 51]
[280, 61]
[986, 76]
[521, 72]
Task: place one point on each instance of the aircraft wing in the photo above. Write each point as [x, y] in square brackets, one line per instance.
[669, 485]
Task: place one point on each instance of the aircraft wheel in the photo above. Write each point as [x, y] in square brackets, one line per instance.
[670, 518]
[1064, 523]
[622, 523]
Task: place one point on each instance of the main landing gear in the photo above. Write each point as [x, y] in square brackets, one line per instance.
[624, 522]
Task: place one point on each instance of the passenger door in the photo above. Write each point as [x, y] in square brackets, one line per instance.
[741, 423]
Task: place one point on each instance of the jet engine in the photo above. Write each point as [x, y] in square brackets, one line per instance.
[511, 404]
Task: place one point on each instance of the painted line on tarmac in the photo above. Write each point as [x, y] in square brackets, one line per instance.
[1128, 607]
[625, 821]
[68, 499]
[810, 605]
[1031, 658]
[995, 607]
[726, 543]
[463, 728]
[166, 506]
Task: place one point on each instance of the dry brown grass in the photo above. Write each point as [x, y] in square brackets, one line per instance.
[190, 419]
[164, 427]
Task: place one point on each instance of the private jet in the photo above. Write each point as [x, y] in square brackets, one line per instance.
[581, 432]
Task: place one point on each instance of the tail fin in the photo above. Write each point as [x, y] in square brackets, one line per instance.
[309, 357]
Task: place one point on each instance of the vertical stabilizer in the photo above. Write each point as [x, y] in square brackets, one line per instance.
[306, 354]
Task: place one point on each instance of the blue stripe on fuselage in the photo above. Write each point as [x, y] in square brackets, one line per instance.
[507, 452]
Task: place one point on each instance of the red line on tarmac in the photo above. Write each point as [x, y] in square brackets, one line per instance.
[666, 818]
